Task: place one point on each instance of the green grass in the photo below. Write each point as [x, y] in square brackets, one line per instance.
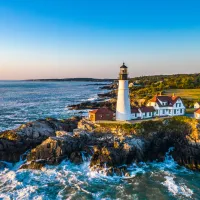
[112, 122]
[190, 94]
[190, 110]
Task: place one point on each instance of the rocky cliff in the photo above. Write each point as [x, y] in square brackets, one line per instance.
[14, 143]
[149, 141]
[111, 147]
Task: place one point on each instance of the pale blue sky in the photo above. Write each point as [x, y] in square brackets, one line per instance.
[74, 38]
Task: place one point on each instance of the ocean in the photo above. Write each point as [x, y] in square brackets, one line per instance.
[21, 102]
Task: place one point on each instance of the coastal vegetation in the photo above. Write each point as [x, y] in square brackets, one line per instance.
[190, 94]
[186, 86]
[143, 128]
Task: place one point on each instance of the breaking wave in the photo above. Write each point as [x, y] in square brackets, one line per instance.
[69, 181]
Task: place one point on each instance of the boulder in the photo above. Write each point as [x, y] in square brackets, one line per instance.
[54, 149]
[63, 133]
[76, 157]
[14, 143]
[37, 165]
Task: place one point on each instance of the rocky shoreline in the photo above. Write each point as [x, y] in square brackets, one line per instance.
[110, 147]
[107, 99]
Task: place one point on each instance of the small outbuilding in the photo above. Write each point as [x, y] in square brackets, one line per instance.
[101, 114]
[197, 113]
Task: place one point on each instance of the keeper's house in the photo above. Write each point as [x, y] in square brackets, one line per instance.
[167, 105]
[197, 113]
[101, 114]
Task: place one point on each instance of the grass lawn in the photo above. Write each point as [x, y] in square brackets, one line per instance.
[190, 110]
[191, 94]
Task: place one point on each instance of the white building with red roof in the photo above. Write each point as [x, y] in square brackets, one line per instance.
[167, 105]
[144, 112]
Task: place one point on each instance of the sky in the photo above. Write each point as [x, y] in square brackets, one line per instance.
[92, 38]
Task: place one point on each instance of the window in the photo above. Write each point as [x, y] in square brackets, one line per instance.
[157, 112]
[150, 114]
[170, 111]
[174, 111]
[163, 112]
[181, 111]
[145, 114]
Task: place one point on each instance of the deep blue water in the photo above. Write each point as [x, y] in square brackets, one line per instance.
[26, 101]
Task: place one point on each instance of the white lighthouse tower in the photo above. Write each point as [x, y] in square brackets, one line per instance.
[123, 111]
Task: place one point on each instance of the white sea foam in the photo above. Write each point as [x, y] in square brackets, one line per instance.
[177, 189]
[93, 99]
[74, 180]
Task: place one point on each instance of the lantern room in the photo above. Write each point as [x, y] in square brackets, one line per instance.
[123, 75]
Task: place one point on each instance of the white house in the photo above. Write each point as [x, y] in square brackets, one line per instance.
[197, 105]
[197, 113]
[167, 105]
[142, 112]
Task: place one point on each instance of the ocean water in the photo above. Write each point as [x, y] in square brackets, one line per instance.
[21, 102]
[24, 101]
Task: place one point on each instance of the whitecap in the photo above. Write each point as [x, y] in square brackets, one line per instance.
[177, 189]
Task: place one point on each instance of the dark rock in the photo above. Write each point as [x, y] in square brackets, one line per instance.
[37, 165]
[54, 149]
[112, 94]
[109, 87]
[16, 142]
[52, 141]
[93, 105]
[76, 157]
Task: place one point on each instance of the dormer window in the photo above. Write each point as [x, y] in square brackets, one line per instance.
[164, 103]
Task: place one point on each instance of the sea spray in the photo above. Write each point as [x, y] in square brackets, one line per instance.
[68, 180]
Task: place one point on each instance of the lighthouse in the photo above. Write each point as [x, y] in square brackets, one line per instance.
[123, 111]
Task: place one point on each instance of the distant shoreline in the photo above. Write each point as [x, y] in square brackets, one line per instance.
[74, 79]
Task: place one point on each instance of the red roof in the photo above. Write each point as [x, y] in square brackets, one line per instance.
[101, 111]
[170, 100]
[135, 110]
[147, 109]
[197, 111]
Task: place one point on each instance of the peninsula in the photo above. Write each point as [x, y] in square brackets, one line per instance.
[75, 79]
